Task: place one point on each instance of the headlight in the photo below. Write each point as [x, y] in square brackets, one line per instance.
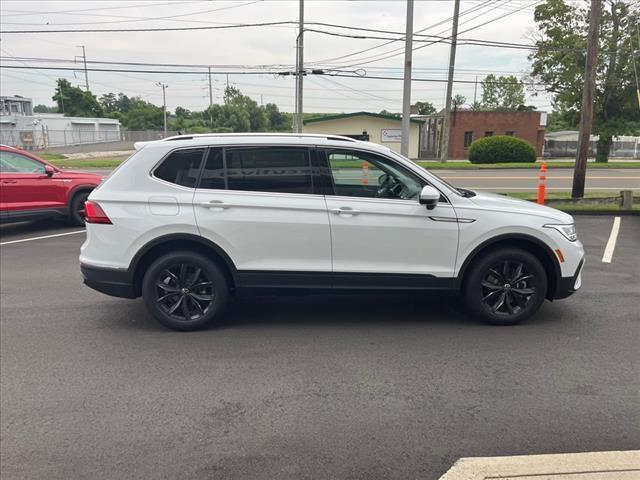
[567, 231]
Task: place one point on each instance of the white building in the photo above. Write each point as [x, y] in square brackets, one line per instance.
[44, 130]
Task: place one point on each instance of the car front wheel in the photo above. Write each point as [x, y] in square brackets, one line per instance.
[505, 286]
[184, 290]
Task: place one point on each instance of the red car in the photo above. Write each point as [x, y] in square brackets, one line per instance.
[31, 188]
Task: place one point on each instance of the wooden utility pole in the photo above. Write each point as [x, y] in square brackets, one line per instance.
[300, 68]
[164, 106]
[86, 72]
[406, 91]
[444, 138]
[588, 93]
[210, 98]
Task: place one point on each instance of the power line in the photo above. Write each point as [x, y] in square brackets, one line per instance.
[144, 19]
[384, 57]
[334, 73]
[154, 29]
[477, 7]
[95, 9]
[399, 51]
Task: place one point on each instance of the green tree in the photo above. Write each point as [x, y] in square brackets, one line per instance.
[559, 60]
[237, 102]
[142, 116]
[502, 93]
[458, 100]
[75, 102]
[45, 109]
[278, 121]
[109, 102]
[426, 108]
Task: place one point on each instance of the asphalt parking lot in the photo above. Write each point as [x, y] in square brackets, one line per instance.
[348, 387]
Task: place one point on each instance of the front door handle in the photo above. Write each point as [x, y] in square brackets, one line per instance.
[345, 211]
[9, 181]
[214, 204]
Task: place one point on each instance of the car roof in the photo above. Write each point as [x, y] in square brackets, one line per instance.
[302, 139]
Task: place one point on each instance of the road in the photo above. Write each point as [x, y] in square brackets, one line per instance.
[515, 180]
[349, 387]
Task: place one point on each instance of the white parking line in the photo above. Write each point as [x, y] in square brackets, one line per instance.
[42, 237]
[611, 244]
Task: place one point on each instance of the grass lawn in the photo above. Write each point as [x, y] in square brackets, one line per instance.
[60, 160]
[576, 207]
[87, 163]
[432, 165]
[562, 195]
[51, 156]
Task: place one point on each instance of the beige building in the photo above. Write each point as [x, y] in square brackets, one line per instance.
[382, 129]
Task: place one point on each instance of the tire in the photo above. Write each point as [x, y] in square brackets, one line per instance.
[505, 295]
[184, 291]
[76, 210]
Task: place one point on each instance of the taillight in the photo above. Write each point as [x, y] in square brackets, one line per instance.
[93, 213]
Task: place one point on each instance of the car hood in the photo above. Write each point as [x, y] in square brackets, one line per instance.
[496, 202]
[77, 174]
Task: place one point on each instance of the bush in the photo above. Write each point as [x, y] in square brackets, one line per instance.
[501, 149]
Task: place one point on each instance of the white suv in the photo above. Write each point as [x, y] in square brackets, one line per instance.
[189, 221]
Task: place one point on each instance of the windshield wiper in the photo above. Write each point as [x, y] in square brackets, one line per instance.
[466, 193]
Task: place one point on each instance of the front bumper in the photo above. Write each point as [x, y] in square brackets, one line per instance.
[114, 282]
[569, 285]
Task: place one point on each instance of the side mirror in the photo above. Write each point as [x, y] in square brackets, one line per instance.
[429, 196]
[49, 170]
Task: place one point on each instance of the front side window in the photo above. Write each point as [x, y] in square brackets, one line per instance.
[361, 174]
[181, 167]
[282, 170]
[15, 163]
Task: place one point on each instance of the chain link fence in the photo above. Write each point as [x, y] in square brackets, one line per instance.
[77, 140]
[566, 147]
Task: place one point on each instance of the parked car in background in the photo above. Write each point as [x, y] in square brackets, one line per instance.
[31, 188]
[189, 221]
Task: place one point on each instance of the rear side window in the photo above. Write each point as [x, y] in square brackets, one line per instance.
[213, 173]
[181, 167]
[285, 170]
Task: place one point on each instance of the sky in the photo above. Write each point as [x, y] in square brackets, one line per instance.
[250, 49]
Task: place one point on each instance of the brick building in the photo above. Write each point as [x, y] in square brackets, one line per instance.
[469, 125]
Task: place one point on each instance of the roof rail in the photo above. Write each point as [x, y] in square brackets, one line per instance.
[264, 134]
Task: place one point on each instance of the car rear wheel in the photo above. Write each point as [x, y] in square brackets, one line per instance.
[76, 211]
[505, 286]
[184, 290]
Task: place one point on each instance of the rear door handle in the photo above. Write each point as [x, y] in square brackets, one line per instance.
[215, 204]
[9, 181]
[345, 211]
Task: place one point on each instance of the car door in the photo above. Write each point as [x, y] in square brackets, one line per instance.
[259, 205]
[26, 185]
[379, 230]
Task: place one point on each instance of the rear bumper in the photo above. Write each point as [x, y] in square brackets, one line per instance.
[114, 282]
[569, 285]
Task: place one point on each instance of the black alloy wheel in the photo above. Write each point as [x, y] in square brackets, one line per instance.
[507, 288]
[184, 290]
